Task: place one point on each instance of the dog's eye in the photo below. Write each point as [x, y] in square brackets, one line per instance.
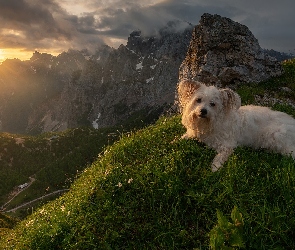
[199, 100]
[212, 104]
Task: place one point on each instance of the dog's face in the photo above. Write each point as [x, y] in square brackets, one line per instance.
[205, 102]
[202, 104]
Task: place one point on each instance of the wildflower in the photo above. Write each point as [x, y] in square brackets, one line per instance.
[119, 184]
[29, 223]
[130, 180]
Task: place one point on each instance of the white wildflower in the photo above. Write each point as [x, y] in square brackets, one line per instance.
[29, 223]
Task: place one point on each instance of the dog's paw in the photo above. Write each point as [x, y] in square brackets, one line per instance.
[216, 166]
[185, 136]
[221, 158]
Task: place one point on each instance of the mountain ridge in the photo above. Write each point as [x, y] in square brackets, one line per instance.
[75, 88]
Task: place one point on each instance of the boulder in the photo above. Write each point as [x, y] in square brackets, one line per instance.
[224, 52]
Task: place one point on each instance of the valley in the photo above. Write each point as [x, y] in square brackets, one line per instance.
[52, 161]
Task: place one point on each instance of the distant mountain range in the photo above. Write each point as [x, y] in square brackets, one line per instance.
[280, 56]
[48, 93]
[109, 87]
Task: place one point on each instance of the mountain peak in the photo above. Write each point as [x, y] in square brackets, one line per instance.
[224, 52]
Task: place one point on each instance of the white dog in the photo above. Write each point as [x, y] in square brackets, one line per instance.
[216, 118]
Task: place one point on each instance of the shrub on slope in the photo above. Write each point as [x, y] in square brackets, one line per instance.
[145, 192]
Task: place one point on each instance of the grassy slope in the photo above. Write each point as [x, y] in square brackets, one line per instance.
[148, 193]
[54, 159]
[51, 162]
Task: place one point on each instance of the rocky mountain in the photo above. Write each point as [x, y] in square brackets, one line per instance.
[280, 56]
[226, 52]
[27, 85]
[104, 89]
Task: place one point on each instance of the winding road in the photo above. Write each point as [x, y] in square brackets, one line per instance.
[2, 208]
[16, 193]
[32, 201]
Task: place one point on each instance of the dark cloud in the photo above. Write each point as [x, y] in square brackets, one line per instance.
[64, 24]
[86, 24]
[34, 19]
[121, 22]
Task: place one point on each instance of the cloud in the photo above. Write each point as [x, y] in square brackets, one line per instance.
[122, 21]
[29, 24]
[32, 18]
[51, 24]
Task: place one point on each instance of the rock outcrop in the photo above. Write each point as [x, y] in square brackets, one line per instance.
[224, 52]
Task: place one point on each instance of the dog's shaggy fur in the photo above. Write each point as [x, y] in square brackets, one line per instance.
[216, 118]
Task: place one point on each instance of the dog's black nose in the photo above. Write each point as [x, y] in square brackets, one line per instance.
[203, 112]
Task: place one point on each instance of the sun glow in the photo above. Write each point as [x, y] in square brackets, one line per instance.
[14, 53]
[2, 58]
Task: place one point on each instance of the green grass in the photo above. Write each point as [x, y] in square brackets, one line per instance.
[146, 192]
[7, 222]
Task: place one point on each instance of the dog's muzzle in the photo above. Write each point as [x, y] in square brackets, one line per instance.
[203, 113]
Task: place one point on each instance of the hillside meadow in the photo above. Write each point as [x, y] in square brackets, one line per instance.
[150, 190]
[52, 160]
[146, 192]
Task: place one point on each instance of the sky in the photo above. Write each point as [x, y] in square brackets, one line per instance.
[54, 26]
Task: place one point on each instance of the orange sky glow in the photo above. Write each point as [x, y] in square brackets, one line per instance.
[14, 53]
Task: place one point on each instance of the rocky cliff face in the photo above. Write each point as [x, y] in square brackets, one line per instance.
[224, 52]
[116, 84]
[28, 85]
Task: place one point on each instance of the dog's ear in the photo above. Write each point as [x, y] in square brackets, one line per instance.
[230, 99]
[185, 89]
